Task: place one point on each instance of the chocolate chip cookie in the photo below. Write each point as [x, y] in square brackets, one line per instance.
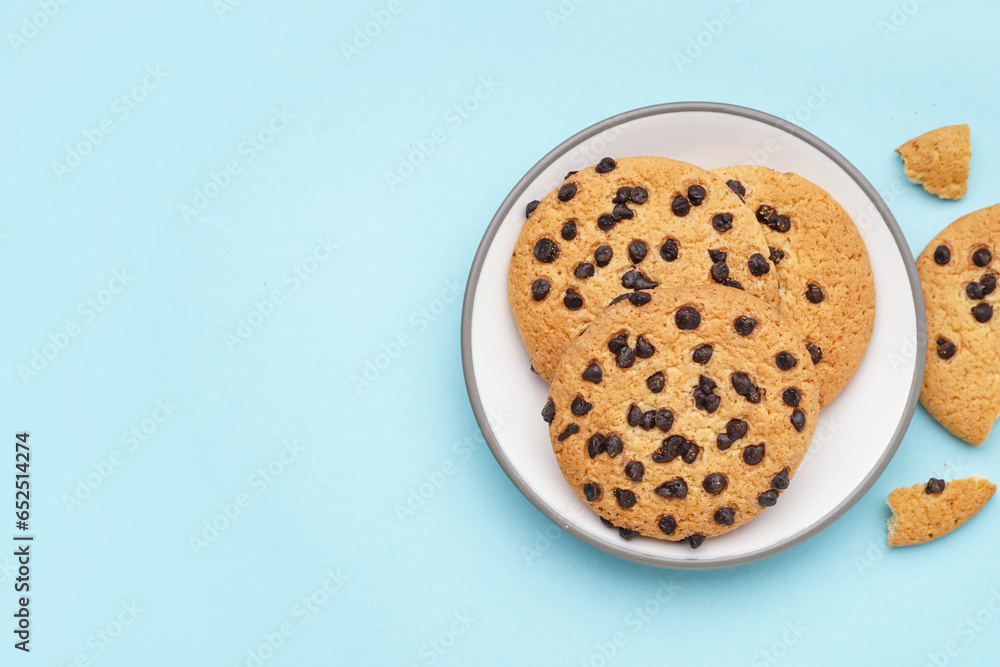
[958, 272]
[683, 413]
[827, 288]
[627, 225]
[939, 161]
[923, 512]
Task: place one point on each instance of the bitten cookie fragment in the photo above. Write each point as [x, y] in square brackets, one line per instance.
[627, 225]
[923, 512]
[827, 288]
[939, 161]
[684, 414]
[958, 272]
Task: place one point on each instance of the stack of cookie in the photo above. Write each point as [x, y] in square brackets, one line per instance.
[692, 324]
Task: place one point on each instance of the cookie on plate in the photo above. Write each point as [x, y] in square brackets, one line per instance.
[681, 413]
[923, 512]
[958, 273]
[630, 224]
[939, 161]
[827, 288]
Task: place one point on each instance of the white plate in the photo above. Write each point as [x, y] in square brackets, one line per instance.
[855, 437]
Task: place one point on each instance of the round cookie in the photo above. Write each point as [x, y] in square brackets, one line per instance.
[827, 288]
[958, 273]
[683, 416]
[622, 225]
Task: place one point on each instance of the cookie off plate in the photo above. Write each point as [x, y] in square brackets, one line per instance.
[856, 435]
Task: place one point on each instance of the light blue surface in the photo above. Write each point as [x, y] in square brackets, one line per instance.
[366, 267]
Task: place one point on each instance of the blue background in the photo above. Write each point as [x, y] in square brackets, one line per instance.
[475, 575]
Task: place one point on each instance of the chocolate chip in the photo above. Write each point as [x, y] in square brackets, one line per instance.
[567, 192]
[628, 533]
[702, 355]
[605, 165]
[934, 485]
[989, 283]
[570, 173]
[785, 360]
[775, 255]
[687, 318]
[664, 419]
[814, 294]
[637, 251]
[639, 195]
[695, 541]
[546, 250]
[570, 430]
[725, 516]
[815, 352]
[974, 291]
[736, 428]
[648, 420]
[606, 222]
[766, 214]
[616, 344]
[706, 383]
[591, 491]
[613, 445]
[530, 208]
[623, 196]
[744, 325]
[722, 222]
[622, 212]
[799, 420]
[696, 194]
[602, 256]
[780, 481]
[723, 442]
[573, 300]
[720, 272]
[667, 524]
[737, 187]
[982, 257]
[584, 270]
[643, 348]
[945, 348]
[768, 499]
[680, 206]
[782, 223]
[634, 279]
[792, 397]
[732, 283]
[549, 412]
[942, 255]
[625, 498]
[691, 453]
[569, 230]
[595, 445]
[607, 523]
[635, 470]
[580, 407]
[634, 415]
[669, 250]
[717, 255]
[675, 488]
[540, 289]
[715, 483]
[640, 298]
[758, 264]
[620, 298]
[625, 358]
[983, 312]
[745, 388]
[656, 382]
[670, 449]
[753, 454]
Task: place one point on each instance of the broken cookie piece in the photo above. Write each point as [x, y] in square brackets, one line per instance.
[924, 512]
[939, 161]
